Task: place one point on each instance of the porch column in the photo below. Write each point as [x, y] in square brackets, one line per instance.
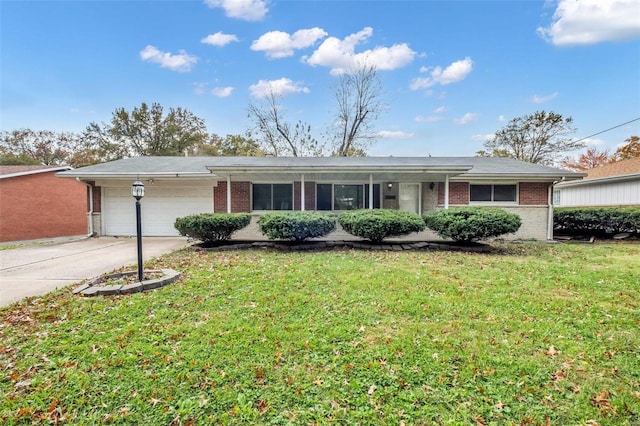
[229, 194]
[446, 191]
[370, 192]
[302, 192]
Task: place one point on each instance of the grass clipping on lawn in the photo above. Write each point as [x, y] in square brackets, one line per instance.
[542, 334]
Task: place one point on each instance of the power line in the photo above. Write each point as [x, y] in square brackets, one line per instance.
[611, 128]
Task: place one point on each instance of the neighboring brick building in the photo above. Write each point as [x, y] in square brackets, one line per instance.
[178, 186]
[34, 204]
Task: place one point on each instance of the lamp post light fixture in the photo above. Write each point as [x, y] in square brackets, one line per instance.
[137, 190]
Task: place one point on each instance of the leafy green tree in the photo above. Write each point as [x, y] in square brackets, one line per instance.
[537, 138]
[229, 146]
[146, 131]
[26, 146]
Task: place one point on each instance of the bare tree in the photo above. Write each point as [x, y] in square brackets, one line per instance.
[358, 95]
[279, 137]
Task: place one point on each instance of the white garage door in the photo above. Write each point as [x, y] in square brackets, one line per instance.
[160, 208]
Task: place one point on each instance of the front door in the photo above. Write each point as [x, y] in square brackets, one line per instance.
[410, 197]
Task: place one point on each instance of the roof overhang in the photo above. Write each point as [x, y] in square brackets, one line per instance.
[35, 172]
[599, 181]
[346, 173]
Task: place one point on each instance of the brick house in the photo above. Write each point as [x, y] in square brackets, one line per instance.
[178, 186]
[613, 184]
[35, 204]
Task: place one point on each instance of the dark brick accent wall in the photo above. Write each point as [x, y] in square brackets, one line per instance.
[533, 193]
[309, 195]
[240, 197]
[42, 205]
[458, 193]
[97, 197]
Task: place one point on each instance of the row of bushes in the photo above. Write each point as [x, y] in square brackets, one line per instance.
[597, 221]
[460, 224]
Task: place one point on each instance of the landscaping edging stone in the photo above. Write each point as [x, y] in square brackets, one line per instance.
[100, 286]
[339, 244]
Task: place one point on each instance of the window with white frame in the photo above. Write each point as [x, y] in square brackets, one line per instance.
[493, 193]
[556, 197]
[330, 196]
[272, 196]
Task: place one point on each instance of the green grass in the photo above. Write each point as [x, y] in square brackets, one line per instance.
[541, 334]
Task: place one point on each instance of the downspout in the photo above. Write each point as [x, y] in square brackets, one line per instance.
[90, 212]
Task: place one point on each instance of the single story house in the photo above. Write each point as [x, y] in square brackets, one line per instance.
[35, 204]
[179, 186]
[613, 184]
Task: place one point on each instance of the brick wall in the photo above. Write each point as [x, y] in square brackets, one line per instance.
[458, 193]
[309, 195]
[97, 197]
[240, 197]
[42, 205]
[534, 193]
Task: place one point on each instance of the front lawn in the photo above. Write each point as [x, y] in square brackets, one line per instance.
[538, 335]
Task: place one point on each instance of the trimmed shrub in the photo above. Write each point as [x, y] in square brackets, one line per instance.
[211, 227]
[596, 221]
[378, 224]
[296, 226]
[467, 224]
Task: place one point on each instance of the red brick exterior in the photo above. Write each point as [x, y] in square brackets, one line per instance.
[530, 193]
[534, 193]
[458, 193]
[240, 197]
[41, 205]
[97, 197]
[309, 195]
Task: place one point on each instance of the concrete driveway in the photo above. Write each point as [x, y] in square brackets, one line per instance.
[39, 269]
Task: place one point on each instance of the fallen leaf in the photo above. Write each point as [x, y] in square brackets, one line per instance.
[372, 389]
[601, 400]
[551, 351]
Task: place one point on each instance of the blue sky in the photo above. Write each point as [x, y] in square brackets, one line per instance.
[453, 72]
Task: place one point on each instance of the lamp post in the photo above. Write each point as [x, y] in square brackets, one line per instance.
[137, 190]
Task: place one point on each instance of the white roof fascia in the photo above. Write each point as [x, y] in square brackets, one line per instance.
[596, 181]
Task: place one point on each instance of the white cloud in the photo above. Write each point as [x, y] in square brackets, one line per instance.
[440, 109]
[249, 10]
[182, 62]
[222, 92]
[483, 138]
[219, 39]
[278, 44]
[455, 72]
[391, 134]
[469, 117]
[593, 142]
[536, 99]
[502, 118]
[340, 55]
[592, 21]
[200, 88]
[280, 87]
[428, 119]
